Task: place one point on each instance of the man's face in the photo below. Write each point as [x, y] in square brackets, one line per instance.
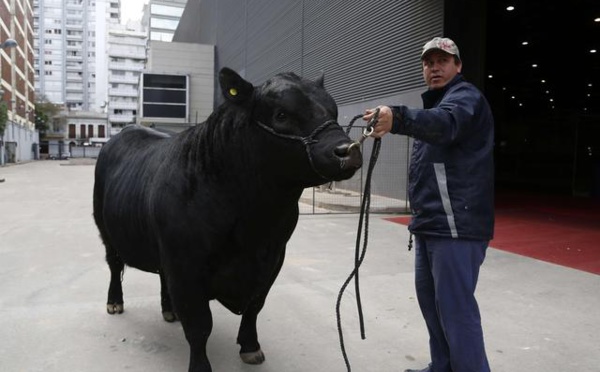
[439, 68]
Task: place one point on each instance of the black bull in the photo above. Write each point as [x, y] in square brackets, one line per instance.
[212, 208]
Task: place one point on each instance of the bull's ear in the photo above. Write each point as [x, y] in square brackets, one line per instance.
[321, 80]
[234, 87]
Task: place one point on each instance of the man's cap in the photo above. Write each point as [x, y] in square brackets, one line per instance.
[441, 43]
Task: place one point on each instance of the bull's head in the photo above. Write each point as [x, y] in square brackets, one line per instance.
[297, 121]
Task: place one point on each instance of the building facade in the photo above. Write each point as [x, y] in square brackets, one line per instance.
[70, 62]
[177, 93]
[161, 18]
[127, 46]
[368, 53]
[18, 138]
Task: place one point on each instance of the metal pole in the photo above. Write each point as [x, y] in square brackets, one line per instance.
[8, 43]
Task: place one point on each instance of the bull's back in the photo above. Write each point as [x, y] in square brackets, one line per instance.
[124, 172]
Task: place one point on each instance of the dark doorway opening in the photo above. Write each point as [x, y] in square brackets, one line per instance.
[543, 82]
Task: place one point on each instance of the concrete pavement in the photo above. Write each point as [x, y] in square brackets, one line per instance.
[53, 279]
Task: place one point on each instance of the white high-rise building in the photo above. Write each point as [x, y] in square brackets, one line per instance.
[70, 64]
[127, 57]
[161, 18]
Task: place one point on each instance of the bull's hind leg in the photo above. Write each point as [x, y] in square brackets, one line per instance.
[114, 305]
[165, 301]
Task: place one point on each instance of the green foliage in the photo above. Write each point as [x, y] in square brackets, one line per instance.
[3, 117]
[41, 121]
[44, 112]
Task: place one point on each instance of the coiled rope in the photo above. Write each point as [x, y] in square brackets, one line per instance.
[359, 253]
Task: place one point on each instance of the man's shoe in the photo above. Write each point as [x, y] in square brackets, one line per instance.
[426, 369]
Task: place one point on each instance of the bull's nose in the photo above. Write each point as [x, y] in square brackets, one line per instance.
[342, 150]
[351, 155]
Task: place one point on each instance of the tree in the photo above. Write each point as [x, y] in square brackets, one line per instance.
[3, 117]
[44, 112]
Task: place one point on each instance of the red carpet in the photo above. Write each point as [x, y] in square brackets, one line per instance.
[556, 229]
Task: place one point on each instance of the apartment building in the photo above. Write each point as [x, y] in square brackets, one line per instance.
[70, 62]
[127, 57]
[18, 138]
[161, 18]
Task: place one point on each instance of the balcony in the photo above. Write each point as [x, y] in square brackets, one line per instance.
[74, 98]
[75, 36]
[74, 67]
[122, 105]
[121, 119]
[54, 135]
[128, 40]
[72, 88]
[123, 92]
[71, 58]
[74, 47]
[134, 80]
[74, 79]
[133, 53]
[125, 66]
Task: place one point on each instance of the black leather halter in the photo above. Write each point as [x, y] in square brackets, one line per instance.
[306, 141]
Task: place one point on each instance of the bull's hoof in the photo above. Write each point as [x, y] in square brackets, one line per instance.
[254, 357]
[169, 316]
[115, 308]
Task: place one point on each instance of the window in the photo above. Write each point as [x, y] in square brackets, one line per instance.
[169, 24]
[164, 96]
[161, 36]
[166, 10]
[72, 133]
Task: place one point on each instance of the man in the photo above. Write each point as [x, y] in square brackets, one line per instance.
[451, 194]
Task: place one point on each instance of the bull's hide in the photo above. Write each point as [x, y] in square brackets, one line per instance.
[212, 208]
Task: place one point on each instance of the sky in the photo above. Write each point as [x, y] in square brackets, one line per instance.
[132, 9]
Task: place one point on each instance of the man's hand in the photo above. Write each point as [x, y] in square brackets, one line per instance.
[384, 123]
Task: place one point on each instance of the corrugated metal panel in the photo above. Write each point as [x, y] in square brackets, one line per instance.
[367, 49]
[274, 38]
[231, 34]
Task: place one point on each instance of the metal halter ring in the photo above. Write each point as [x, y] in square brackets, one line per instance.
[368, 131]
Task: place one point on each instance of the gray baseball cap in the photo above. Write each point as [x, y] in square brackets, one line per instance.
[440, 43]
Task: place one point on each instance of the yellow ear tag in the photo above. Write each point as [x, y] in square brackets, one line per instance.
[233, 92]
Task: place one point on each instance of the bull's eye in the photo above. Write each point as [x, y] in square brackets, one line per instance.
[281, 116]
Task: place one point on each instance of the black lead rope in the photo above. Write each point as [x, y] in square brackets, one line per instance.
[359, 254]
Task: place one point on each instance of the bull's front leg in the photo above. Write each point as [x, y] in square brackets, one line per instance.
[191, 304]
[250, 351]
[197, 326]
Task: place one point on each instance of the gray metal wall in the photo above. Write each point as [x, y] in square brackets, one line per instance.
[368, 51]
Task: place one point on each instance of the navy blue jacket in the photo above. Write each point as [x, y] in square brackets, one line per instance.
[451, 176]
